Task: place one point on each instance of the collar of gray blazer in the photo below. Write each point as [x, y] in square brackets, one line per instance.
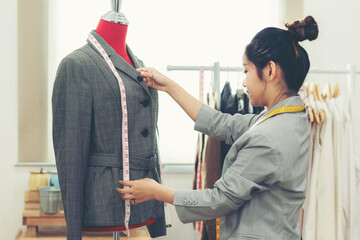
[119, 62]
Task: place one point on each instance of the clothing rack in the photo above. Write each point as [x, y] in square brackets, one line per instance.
[216, 69]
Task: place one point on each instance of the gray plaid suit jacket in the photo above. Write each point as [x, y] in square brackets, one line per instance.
[87, 138]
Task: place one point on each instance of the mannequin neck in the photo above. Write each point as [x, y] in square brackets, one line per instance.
[115, 35]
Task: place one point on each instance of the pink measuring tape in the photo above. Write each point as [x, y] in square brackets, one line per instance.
[198, 224]
[125, 140]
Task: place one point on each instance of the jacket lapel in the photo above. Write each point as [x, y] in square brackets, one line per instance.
[120, 64]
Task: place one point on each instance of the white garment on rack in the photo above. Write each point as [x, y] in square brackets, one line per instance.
[356, 228]
[350, 199]
[339, 163]
[306, 99]
[326, 211]
[310, 208]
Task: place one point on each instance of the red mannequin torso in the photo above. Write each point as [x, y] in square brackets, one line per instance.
[115, 35]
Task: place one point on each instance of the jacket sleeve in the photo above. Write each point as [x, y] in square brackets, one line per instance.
[72, 105]
[255, 169]
[223, 126]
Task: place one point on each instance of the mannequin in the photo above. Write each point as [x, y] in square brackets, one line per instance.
[87, 134]
[115, 35]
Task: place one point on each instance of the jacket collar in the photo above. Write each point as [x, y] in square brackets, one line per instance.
[119, 62]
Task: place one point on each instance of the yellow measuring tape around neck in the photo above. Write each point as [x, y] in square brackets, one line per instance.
[287, 109]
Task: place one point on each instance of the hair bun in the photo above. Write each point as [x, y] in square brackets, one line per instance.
[305, 29]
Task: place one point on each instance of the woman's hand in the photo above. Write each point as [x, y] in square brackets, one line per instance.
[158, 81]
[154, 79]
[144, 190]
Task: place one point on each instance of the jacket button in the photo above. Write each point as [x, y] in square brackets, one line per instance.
[140, 79]
[194, 202]
[145, 132]
[145, 103]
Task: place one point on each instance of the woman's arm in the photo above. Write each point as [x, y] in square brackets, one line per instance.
[160, 82]
[255, 169]
[209, 121]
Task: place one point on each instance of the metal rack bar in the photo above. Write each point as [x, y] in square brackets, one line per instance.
[216, 69]
[206, 68]
[239, 69]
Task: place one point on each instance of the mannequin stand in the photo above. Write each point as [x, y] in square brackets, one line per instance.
[116, 235]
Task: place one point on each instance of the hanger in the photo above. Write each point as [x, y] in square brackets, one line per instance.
[313, 108]
[308, 108]
[310, 114]
[318, 97]
[316, 115]
[307, 87]
[321, 99]
[316, 91]
[327, 92]
[335, 90]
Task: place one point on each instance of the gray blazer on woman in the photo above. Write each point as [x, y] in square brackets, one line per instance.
[262, 188]
[87, 139]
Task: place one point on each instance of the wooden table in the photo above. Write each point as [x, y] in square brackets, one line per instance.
[53, 226]
[60, 234]
[33, 218]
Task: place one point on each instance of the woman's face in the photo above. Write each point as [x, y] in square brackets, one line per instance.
[255, 86]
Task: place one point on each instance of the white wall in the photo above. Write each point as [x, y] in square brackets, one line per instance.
[11, 181]
[338, 42]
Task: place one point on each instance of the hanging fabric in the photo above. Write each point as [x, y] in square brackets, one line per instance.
[331, 209]
[211, 172]
[199, 149]
[207, 167]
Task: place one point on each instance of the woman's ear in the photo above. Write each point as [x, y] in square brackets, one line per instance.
[272, 70]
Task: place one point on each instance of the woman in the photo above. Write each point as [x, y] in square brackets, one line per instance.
[262, 188]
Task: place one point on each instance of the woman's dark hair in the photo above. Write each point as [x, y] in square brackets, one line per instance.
[282, 47]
